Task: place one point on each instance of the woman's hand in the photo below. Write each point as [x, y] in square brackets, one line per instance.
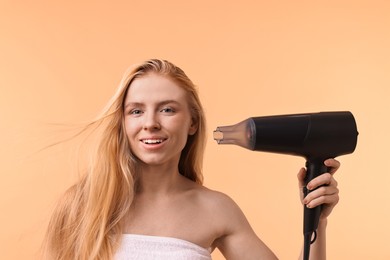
[327, 195]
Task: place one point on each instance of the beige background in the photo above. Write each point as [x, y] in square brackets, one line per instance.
[61, 62]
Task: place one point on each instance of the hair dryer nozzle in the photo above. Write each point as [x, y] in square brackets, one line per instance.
[242, 134]
[218, 136]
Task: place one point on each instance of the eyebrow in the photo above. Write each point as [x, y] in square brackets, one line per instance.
[162, 103]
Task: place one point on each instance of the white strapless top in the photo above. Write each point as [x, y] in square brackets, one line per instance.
[141, 247]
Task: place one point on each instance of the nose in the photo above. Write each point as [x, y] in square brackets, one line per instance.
[151, 122]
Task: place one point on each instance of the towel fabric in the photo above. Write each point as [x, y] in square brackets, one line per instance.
[141, 247]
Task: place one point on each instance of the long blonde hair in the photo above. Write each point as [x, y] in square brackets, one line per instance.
[87, 222]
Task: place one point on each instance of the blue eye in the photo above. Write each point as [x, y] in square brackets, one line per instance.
[167, 110]
[135, 112]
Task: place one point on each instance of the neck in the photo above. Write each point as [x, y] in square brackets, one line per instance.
[159, 180]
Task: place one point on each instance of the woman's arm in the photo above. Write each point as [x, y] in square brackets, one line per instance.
[237, 240]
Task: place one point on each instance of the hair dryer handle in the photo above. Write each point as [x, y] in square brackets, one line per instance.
[311, 216]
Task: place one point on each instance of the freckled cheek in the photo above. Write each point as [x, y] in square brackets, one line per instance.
[181, 128]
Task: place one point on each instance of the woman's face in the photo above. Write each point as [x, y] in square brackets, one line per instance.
[157, 120]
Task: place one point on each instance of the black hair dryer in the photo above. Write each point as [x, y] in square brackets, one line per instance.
[315, 136]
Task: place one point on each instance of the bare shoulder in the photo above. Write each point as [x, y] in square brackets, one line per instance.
[221, 202]
[222, 210]
[214, 206]
[236, 239]
[204, 194]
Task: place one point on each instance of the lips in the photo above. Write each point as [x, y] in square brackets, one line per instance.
[152, 141]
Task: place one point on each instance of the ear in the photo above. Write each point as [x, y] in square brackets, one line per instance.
[193, 128]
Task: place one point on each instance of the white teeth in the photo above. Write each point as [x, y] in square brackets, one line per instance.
[152, 141]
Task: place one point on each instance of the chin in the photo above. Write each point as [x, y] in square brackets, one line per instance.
[156, 162]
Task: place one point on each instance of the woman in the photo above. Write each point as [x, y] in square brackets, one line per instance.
[142, 196]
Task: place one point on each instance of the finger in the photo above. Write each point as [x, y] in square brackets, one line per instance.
[301, 182]
[301, 177]
[330, 200]
[323, 179]
[333, 164]
[321, 192]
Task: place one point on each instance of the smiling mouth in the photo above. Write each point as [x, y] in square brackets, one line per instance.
[152, 141]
